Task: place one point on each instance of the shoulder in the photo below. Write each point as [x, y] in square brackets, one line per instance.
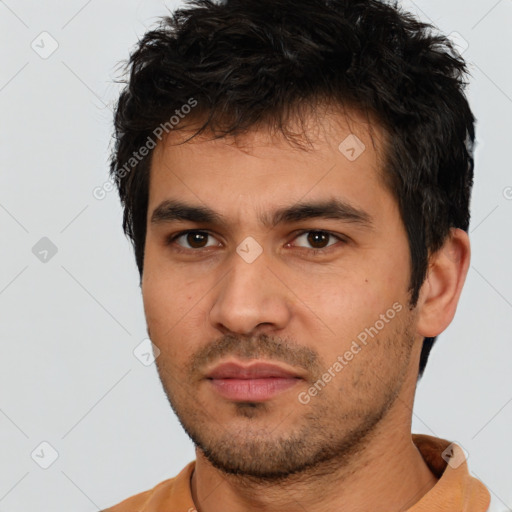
[169, 493]
[137, 502]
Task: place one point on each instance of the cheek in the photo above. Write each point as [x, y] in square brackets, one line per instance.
[166, 294]
[174, 314]
[342, 294]
[157, 302]
[343, 305]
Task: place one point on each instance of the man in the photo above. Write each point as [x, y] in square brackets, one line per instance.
[296, 179]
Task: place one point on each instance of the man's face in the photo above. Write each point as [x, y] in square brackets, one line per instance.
[336, 323]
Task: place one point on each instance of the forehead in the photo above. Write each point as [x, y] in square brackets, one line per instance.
[337, 155]
[316, 125]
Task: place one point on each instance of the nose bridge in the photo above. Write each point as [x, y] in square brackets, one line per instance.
[249, 294]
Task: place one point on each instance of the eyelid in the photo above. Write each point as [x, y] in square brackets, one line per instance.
[341, 238]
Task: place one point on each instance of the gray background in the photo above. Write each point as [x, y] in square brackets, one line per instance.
[69, 324]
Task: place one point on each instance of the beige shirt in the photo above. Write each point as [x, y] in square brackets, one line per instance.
[456, 490]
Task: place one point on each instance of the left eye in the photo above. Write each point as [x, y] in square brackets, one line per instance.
[317, 238]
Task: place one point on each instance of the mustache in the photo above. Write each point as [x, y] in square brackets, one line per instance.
[256, 347]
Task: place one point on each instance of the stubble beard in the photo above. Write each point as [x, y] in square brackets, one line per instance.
[322, 439]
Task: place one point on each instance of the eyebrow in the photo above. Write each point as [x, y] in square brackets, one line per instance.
[174, 210]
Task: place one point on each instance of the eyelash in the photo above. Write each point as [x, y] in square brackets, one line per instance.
[172, 238]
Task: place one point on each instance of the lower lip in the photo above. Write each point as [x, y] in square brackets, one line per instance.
[252, 390]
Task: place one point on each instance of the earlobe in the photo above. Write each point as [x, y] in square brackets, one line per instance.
[441, 290]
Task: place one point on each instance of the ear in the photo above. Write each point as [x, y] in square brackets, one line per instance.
[440, 292]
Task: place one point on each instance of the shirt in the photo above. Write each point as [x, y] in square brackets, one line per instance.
[455, 490]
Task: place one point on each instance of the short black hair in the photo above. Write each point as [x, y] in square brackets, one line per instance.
[250, 63]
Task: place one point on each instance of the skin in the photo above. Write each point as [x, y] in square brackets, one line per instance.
[208, 305]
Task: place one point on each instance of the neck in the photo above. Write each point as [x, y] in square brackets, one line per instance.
[387, 473]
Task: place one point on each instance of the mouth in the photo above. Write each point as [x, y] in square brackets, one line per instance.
[254, 382]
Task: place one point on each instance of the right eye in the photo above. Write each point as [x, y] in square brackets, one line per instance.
[195, 238]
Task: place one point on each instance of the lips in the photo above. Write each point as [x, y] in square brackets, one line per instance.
[255, 382]
[254, 371]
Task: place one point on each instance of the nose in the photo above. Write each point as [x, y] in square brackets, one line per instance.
[249, 296]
